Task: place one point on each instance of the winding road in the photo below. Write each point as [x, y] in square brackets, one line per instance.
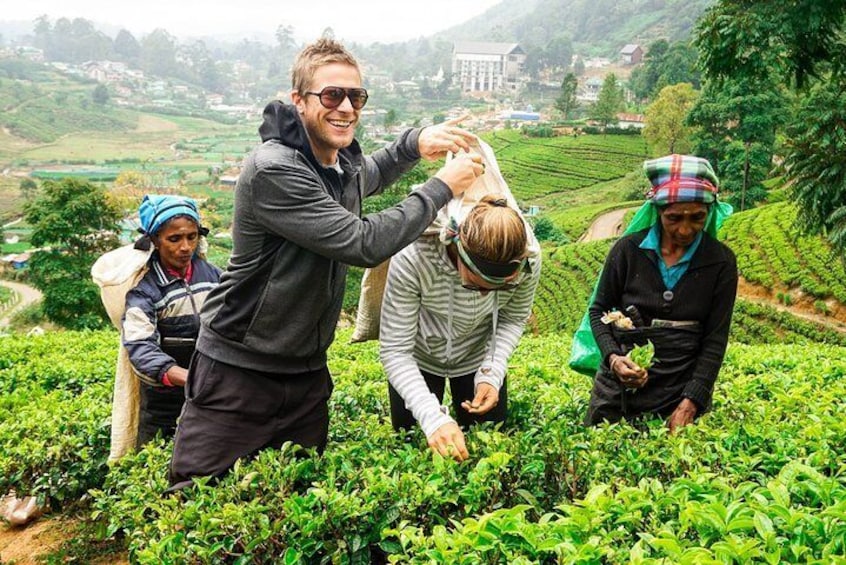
[607, 225]
[27, 294]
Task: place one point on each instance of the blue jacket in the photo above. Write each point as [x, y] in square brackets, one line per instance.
[162, 318]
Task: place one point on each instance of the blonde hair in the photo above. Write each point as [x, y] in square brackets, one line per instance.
[324, 51]
[494, 231]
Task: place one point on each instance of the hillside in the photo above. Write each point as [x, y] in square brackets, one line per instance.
[759, 479]
[535, 167]
[596, 27]
[47, 105]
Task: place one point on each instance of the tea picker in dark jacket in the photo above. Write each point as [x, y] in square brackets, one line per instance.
[162, 316]
[678, 284]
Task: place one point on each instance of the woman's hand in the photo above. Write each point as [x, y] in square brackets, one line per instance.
[486, 398]
[682, 415]
[177, 375]
[448, 440]
[435, 141]
[627, 371]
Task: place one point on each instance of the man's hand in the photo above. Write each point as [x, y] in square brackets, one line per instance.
[627, 371]
[435, 141]
[460, 173]
[177, 375]
[486, 398]
[449, 442]
[682, 415]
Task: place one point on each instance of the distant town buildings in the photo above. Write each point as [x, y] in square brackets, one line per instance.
[589, 92]
[488, 67]
[631, 54]
[626, 121]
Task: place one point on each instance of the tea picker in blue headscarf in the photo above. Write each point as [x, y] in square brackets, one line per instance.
[674, 285]
[162, 320]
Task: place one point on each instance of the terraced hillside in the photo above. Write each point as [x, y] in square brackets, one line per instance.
[534, 167]
[773, 254]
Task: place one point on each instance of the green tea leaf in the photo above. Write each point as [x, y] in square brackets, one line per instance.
[643, 354]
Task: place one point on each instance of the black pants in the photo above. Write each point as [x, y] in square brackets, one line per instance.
[611, 402]
[160, 407]
[461, 388]
[231, 412]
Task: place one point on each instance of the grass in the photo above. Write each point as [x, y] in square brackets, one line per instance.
[11, 201]
[19, 247]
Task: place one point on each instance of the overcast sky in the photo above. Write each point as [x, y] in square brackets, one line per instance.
[352, 20]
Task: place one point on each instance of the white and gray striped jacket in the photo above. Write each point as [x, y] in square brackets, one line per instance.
[430, 322]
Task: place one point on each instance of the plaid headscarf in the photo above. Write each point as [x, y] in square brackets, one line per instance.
[680, 178]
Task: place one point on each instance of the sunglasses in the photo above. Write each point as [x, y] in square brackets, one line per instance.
[333, 96]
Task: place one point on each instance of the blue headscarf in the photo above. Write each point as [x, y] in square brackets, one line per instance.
[157, 209]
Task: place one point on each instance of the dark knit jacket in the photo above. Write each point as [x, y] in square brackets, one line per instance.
[705, 293]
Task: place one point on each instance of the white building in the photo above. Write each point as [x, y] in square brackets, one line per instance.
[487, 67]
[589, 92]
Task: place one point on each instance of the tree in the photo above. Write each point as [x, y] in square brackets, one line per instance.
[679, 65]
[566, 101]
[127, 47]
[666, 130]
[158, 53]
[28, 188]
[558, 53]
[579, 67]
[803, 43]
[815, 164]
[285, 40]
[739, 113]
[665, 64]
[100, 95]
[610, 102]
[390, 119]
[798, 40]
[43, 32]
[76, 222]
[546, 230]
[202, 67]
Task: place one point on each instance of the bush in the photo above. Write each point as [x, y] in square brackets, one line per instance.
[545, 230]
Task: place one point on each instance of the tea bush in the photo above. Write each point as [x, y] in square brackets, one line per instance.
[760, 479]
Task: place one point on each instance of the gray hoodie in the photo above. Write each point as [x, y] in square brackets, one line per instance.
[297, 225]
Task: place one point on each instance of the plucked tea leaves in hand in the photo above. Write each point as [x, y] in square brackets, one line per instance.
[642, 355]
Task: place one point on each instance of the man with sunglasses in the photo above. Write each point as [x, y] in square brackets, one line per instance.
[259, 377]
[453, 311]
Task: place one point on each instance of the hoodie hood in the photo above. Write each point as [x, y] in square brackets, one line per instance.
[281, 122]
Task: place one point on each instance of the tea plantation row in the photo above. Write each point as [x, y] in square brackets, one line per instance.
[760, 479]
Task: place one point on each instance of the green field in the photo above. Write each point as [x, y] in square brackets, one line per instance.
[771, 252]
[534, 167]
[760, 479]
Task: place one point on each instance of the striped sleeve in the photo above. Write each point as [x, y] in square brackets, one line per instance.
[511, 321]
[140, 336]
[398, 332]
